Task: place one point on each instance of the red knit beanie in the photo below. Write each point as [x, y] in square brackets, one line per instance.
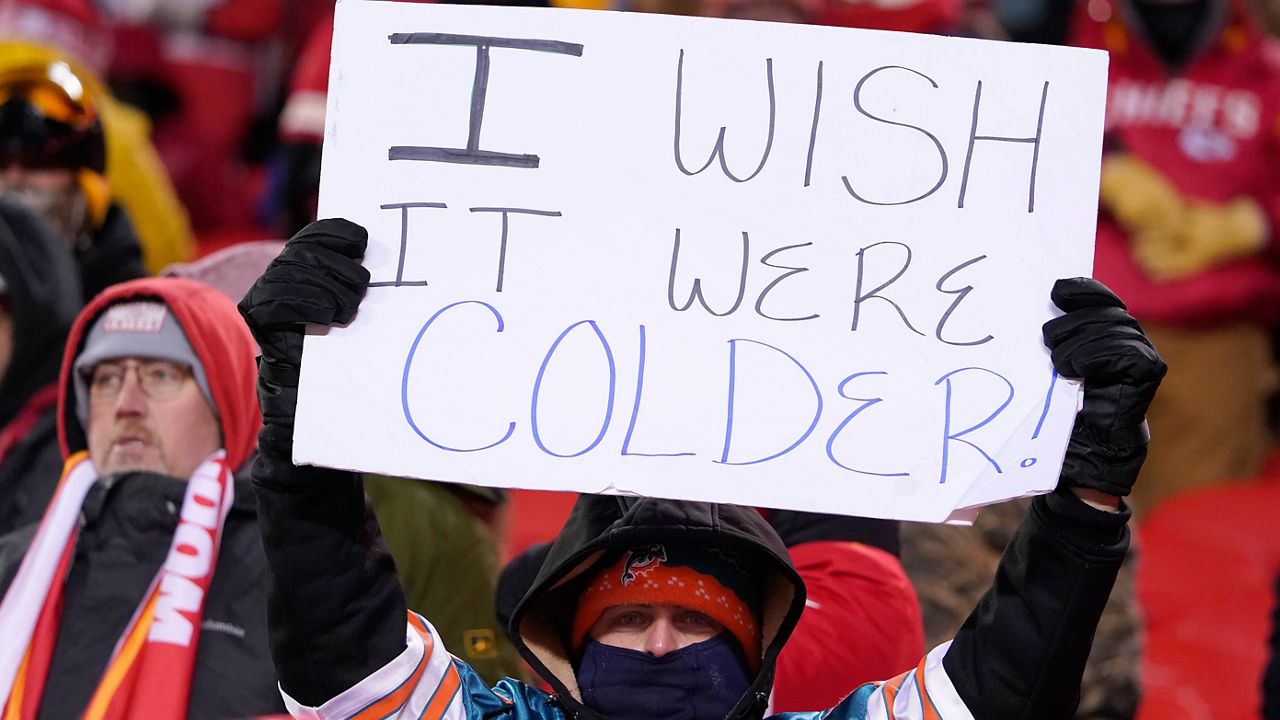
[653, 576]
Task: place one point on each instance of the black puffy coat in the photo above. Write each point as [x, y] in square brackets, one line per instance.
[43, 290]
[128, 521]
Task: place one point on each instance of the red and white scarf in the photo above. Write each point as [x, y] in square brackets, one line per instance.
[149, 674]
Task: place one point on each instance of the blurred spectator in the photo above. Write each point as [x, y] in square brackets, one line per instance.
[52, 161]
[73, 32]
[1190, 193]
[951, 566]
[135, 191]
[1189, 188]
[39, 297]
[203, 70]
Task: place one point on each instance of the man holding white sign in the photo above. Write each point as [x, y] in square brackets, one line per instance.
[673, 609]
[773, 251]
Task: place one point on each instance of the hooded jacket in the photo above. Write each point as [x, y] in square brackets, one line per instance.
[343, 649]
[854, 584]
[599, 528]
[44, 296]
[128, 521]
[217, 335]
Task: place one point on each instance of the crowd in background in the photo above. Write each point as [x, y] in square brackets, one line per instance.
[183, 137]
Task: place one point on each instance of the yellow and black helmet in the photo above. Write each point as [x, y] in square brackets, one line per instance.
[48, 120]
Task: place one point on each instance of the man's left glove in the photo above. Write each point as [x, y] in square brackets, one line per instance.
[318, 280]
[1099, 341]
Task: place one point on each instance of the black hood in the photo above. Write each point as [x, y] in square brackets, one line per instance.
[44, 297]
[602, 527]
[1179, 31]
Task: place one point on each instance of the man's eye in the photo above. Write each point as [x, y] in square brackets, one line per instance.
[164, 374]
[699, 622]
[628, 619]
[105, 378]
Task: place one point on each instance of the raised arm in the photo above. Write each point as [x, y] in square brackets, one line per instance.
[335, 607]
[1021, 653]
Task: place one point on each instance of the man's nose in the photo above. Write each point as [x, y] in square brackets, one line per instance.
[662, 638]
[131, 400]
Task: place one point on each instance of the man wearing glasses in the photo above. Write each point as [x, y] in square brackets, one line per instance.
[141, 593]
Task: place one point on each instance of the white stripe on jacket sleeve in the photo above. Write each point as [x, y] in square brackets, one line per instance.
[421, 682]
[925, 693]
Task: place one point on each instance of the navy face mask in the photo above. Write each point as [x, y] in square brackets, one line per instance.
[702, 681]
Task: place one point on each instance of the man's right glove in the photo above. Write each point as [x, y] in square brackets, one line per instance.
[318, 280]
[1099, 341]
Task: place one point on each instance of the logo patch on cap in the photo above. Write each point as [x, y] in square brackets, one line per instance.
[641, 562]
[135, 317]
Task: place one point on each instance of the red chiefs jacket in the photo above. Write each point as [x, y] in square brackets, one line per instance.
[1212, 128]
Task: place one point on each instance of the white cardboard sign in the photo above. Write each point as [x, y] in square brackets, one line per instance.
[780, 265]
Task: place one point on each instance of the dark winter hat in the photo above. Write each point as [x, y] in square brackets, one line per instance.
[712, 581]
[140, 328]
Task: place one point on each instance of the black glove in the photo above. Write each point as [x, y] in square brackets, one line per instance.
[1099, 341]
[317, 279]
